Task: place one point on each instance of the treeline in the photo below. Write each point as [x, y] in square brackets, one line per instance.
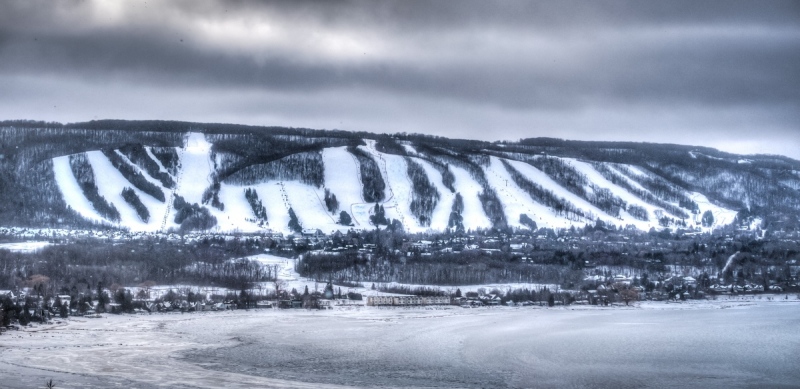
[82, 170]
[133, 175]
[465, 268]
[130, 196]
[137, 154]
[80, 266]
[256, 148]
[424, 195]
[306, 167]
[371, 177]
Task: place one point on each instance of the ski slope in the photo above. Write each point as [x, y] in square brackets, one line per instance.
[342, 178]
[598, 180]
[71, 191]
[441, 213]
[398, 192]
[516, 201]
[473, 215]
[538, 177]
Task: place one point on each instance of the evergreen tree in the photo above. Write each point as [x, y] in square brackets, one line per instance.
[708, 219]
[344, 219]
[294, 223]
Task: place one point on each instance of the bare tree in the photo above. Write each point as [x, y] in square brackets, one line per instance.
[626, 292]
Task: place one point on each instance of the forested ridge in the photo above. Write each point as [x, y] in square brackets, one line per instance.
[763, 186]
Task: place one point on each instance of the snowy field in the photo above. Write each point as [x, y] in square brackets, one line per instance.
[23, 247]
[750, 343]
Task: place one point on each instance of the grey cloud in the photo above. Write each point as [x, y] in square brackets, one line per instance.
[520, 65]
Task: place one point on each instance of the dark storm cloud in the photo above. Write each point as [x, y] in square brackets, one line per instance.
[534, 65]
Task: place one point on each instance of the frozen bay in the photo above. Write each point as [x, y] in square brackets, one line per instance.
[716, 344]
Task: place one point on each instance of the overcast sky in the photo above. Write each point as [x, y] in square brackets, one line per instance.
[719, 74]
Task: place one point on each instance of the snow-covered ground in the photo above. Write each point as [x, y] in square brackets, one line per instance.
[601, 182]
[342, 177]
[23, 247]
[516, 201]
[725, 344]
[72, 192]
[722, 216]
[441, 213]
[473, 214]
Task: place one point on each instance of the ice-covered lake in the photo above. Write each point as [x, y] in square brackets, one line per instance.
[724, 344]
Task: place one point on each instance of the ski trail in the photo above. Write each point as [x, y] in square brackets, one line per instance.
[172, 193]
[391, 200]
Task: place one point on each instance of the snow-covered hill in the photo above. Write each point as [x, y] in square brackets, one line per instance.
[618, 194]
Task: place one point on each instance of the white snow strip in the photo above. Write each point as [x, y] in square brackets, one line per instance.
[342, 178]
[138, 168]
[110, 183]
[398, 192]
[161, 167]
[598, 180]
[441, 213]
[722, 216]
[627, 179]
[473, 216]
[23, 247]
[196, 168]
[516, 201]
[308, 203]
[71, 190]
[538, 177]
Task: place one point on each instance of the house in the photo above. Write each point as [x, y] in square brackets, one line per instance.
[7, 293]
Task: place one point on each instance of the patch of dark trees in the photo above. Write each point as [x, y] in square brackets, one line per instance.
[256, 205]
[294, 222]
[168, 157]
[211, 195]
[82, 170]
[134, 176]
[465, 268]
[526, 220]
[192, 217]
[371, 177]
[424, 195]
[78, 268]
[137, 154]
[456, 220]
[378, 216]
[331, 203]
[561, 257]
[306, 167]
[130, 196]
